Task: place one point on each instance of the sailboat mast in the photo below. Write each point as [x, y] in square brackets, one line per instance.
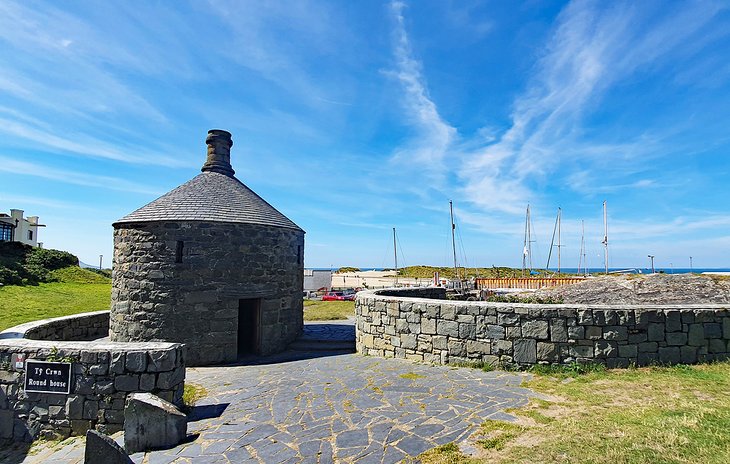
[556, 228]
[529, 239]
[395, 256]
[582, 256]
[605, 235]
[453, 239]
[560, 213]
[524, 245]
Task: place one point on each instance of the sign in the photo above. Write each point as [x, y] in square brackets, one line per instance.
[47, 377]
[18, 361]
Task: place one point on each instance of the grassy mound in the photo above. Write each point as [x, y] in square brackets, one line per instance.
[22, 264]
[77, 275]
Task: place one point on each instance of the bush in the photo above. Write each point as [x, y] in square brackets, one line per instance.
[22, 264]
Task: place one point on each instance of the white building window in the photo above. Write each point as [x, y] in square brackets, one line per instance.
[6, 232]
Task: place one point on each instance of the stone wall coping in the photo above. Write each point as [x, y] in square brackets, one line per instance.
[375, 294]
[20, 331]
[24, 343]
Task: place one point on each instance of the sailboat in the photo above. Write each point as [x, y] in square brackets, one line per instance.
[582, 256]
[395, 257]
[552, 241]
[605, 235]
[457, 282]
[527, 245]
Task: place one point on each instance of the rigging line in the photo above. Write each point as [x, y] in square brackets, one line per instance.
[402, 255]
[463, 251]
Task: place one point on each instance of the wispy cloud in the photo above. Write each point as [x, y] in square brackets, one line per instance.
[434, 136]
[589, 51]
[13, 166]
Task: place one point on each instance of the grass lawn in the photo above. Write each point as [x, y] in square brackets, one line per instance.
[328, 310]
[675, 414]
[77, 291]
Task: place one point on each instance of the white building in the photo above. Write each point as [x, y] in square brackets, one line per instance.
[314, 279]
[16, 228]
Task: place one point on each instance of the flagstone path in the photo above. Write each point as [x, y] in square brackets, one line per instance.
[338, 408]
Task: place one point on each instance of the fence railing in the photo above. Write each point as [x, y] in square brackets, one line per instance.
[532, 283]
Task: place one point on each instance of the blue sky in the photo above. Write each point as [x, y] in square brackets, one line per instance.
[355, 117]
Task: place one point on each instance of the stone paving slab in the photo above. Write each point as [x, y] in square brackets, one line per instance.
[346, 408]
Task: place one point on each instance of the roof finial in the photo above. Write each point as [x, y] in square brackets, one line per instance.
[219, 152]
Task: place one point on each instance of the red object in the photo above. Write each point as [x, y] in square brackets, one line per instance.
[333, 296]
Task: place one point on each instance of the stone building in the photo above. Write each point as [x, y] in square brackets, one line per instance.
[211, 265]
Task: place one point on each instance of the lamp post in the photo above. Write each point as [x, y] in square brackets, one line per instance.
[652, 262]
[100, 258]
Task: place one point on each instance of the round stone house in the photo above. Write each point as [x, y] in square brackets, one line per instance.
[211, 265]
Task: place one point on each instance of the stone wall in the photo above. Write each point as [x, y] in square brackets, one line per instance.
[441, 331]
[195, 301]
[84, 326]
[103, 374]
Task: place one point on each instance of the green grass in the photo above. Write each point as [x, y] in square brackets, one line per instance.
[192, 393]
[328, 310]
[675, 414]
[77, 291]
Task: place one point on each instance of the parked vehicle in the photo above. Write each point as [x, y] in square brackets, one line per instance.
[338, 296]
[333, 296]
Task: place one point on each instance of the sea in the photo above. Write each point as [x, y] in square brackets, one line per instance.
[574, 270]
[641, 270]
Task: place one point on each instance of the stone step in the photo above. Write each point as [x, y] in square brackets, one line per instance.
[322, 345]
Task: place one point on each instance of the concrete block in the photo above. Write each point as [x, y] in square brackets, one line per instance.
[101, 448]
[152, 423]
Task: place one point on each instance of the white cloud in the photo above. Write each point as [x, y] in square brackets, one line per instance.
[71, 177]
[428, 150]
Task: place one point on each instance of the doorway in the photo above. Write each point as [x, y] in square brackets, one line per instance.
[249, 326]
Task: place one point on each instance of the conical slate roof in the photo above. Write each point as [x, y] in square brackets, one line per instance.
[214, 195]
[211, 196]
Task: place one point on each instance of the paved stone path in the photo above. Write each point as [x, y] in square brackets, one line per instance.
[297, 408]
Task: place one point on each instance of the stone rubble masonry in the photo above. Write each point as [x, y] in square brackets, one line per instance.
[103, 375]
[196, 301]
[411, 324]
[152, 423]
[78, 327]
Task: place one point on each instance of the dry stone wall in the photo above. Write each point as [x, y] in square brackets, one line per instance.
[182, 281]
[442, 331]
[103, 374]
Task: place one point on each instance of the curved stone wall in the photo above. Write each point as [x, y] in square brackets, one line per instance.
[397, 324]
[182, 282]
[77, 327]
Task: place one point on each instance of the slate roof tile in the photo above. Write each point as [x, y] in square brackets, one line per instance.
[211, 196]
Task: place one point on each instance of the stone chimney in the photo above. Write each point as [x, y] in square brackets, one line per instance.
[219, 152]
